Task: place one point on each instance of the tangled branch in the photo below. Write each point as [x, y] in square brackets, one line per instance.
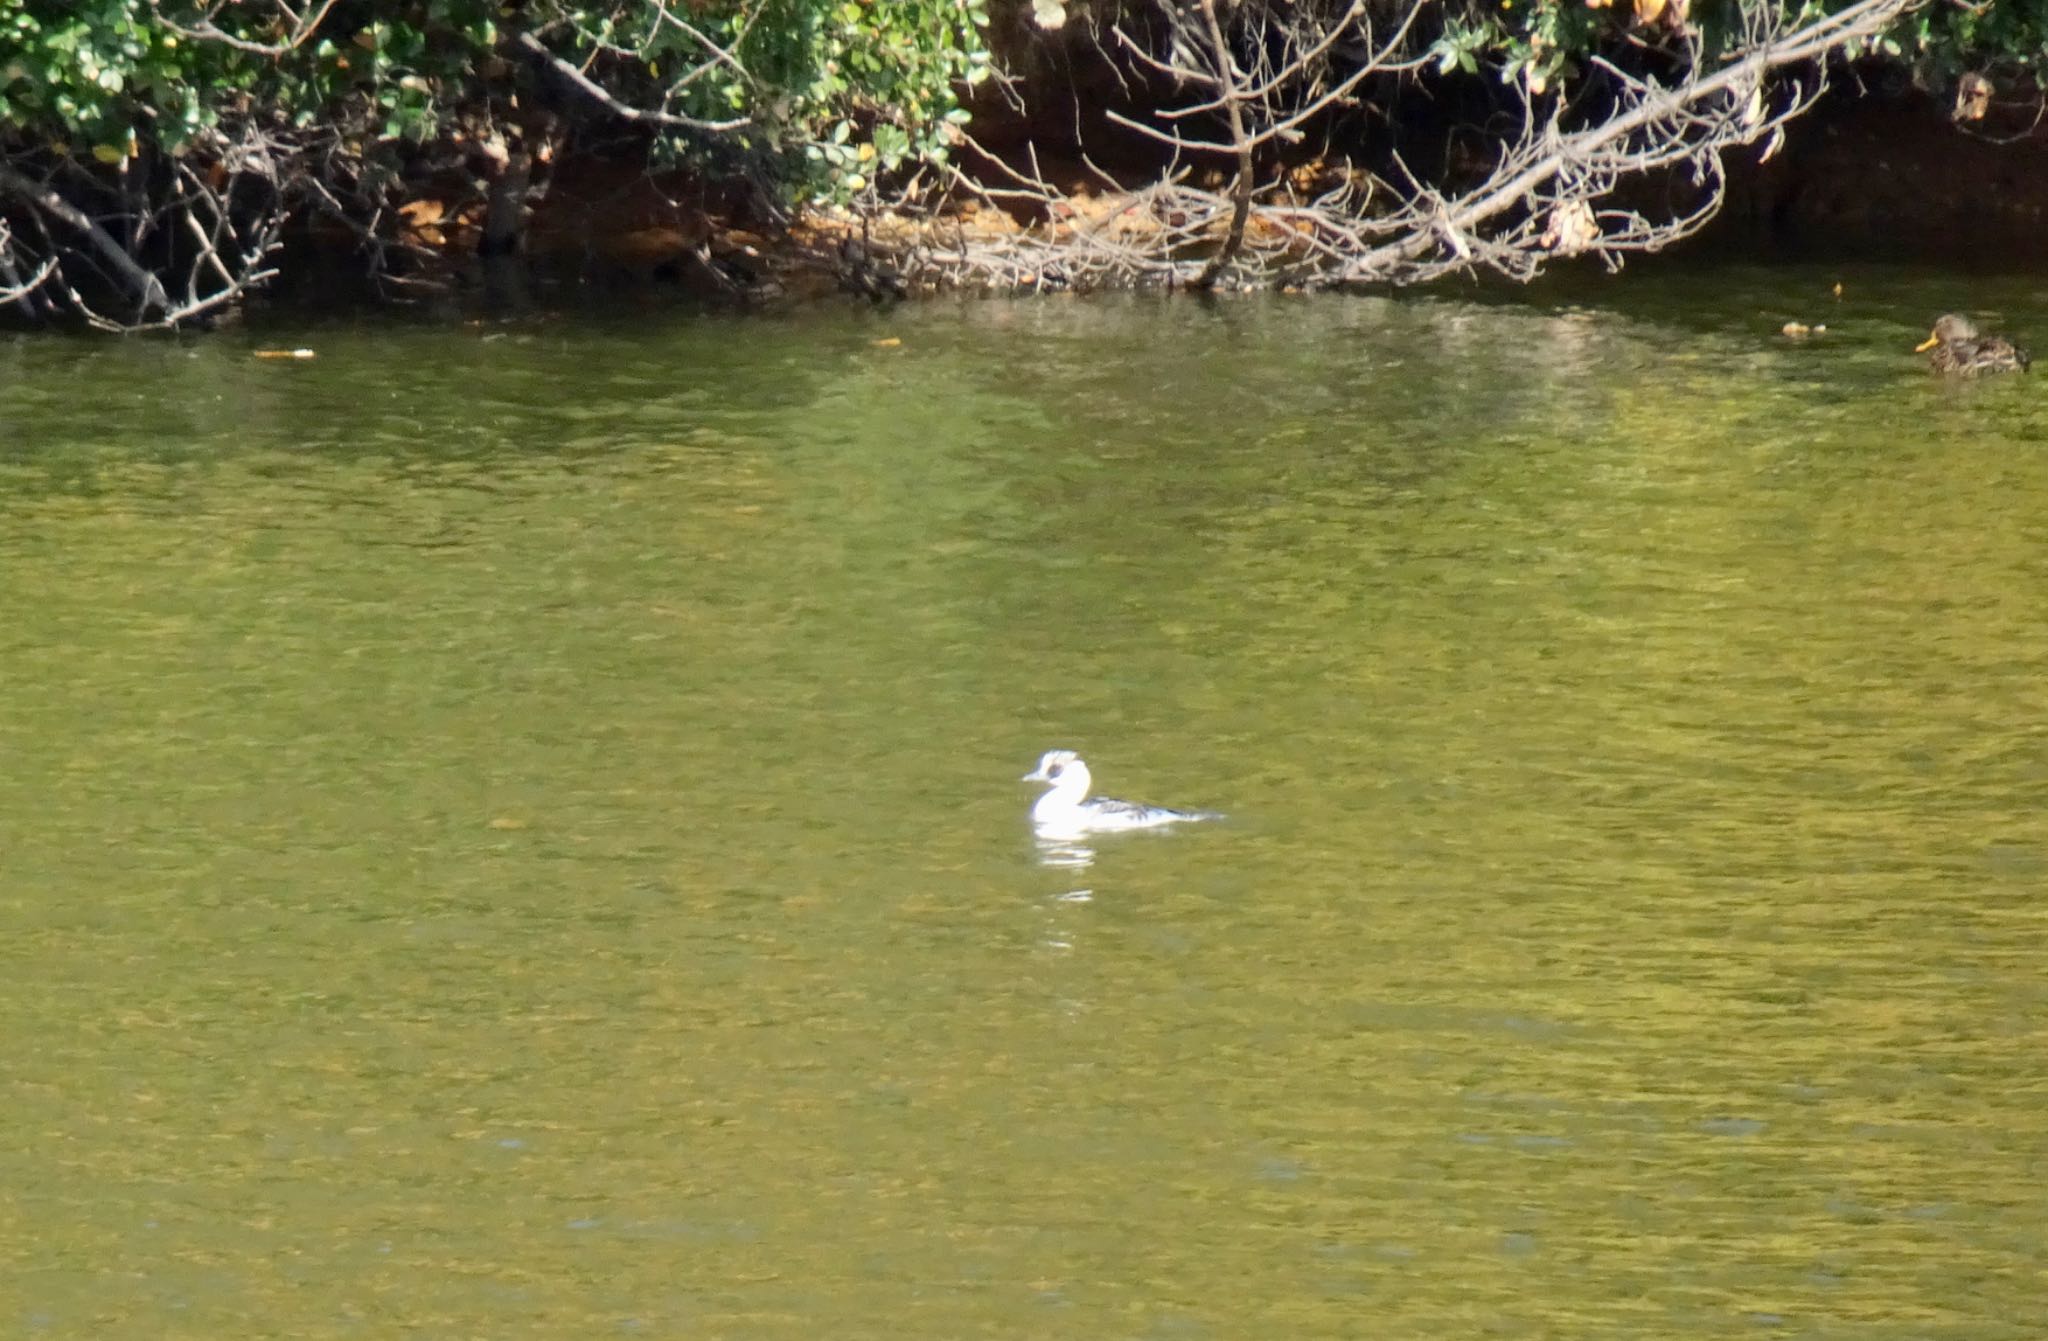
[299, 27]
[1259, 85]
[182, 246]
[649, 116]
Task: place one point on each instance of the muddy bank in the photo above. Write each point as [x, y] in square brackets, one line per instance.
[1893, 176]
[1881, 174]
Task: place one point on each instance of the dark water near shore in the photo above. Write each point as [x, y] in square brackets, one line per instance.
[514, 832]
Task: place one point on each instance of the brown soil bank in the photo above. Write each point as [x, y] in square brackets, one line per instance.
[1866, 174]
[1895, 177]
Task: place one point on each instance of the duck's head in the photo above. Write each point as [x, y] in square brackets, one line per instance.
[1059, 768]
[1947, 330]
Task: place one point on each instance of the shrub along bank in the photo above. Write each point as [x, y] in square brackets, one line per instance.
[156, 156]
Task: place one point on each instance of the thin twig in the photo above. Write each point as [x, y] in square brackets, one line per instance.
[638, 115]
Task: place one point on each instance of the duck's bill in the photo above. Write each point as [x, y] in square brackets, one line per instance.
[1927, 344]
[1035, 775]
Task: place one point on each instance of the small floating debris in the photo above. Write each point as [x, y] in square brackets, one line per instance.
[888, 343]
[1799, 330]
[284, 353]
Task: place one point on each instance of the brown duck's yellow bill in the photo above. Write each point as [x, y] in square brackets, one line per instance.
[1925, 345]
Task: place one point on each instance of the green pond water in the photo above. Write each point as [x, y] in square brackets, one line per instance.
[516, 833]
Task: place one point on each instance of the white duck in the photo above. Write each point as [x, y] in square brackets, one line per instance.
[1067, 811]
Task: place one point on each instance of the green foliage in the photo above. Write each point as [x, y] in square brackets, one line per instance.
[116, 72]
[1946, 40]
[1545, 41]
[86, 72]
[827, 94]
[847, 88]
[832, 91]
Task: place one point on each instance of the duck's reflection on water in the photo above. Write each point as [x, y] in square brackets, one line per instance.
[1065, 853]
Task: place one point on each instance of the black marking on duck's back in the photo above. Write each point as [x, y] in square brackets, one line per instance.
[1137, 810]
[1974, 358]
[1067, 807]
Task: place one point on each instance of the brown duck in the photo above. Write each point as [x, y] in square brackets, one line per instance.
[1960, 351]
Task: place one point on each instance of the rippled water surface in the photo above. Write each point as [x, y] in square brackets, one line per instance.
[515, 832]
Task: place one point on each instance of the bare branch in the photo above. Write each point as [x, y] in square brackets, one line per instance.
[301, 30]
[1241, 190]
[718, 55]
[145, 288]
[638, 115]
[19, 289]
[1259, 75]
[1157, 66]
[1509, 190]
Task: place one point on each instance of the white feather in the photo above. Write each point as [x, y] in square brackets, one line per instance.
[1067, 811]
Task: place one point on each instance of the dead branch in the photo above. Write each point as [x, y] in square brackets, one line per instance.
[589, 87]
[716, 55]
[143, 287]
[156, 242]
[299, 28]
[1233, 109]
[1247, 81]
[20, 290]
